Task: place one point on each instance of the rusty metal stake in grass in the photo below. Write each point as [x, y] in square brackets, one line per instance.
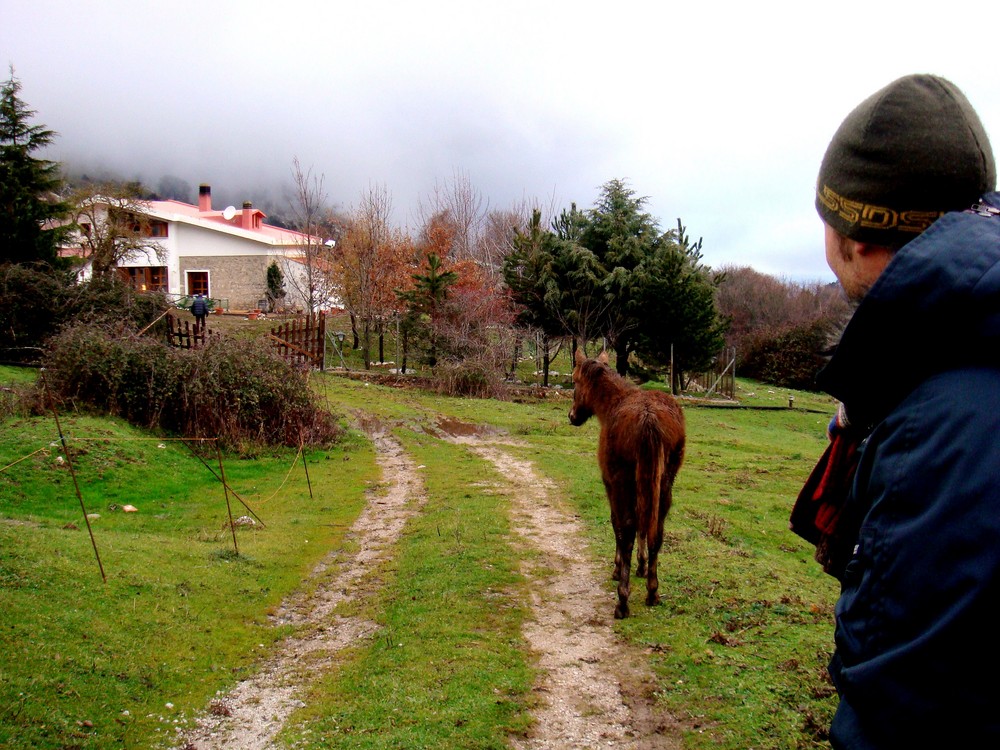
[72, 473]
[304, 466]
[225, 487]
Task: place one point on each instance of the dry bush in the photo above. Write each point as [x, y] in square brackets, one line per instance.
[235, 389]
[475, 377]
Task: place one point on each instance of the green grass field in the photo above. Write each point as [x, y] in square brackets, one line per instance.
[739, 645]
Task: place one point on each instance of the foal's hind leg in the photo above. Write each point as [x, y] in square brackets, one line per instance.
[624, 538]
[641, 556]
[656, 543]
[652, 581]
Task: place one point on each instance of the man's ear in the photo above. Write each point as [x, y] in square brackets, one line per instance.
[869, 249]
[875, 257]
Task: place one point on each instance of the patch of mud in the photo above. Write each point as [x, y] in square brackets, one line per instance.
[252, 714]
[595, 690]
[456, 428]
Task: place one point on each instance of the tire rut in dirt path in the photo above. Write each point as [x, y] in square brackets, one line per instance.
[595, 690]
[251, 715]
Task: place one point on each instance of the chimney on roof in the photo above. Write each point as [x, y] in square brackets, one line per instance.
[247, 215]
[204, 198]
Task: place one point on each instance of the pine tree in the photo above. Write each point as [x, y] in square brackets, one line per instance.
[623, 237]
[30, 207]
[681, 323]
[425, 304]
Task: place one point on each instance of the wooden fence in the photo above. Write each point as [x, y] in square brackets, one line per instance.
[301, 342]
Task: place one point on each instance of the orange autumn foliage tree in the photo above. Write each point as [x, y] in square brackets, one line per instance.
[373, 261]
[458, 319]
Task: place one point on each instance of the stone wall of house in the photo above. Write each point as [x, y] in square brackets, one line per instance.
[240, 281]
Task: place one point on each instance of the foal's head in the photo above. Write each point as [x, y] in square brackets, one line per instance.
[585, 373]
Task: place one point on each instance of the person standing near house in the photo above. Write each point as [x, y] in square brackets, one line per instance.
[905, 505]
[199, 308]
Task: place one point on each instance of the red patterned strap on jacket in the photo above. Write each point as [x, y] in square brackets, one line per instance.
[818, 515]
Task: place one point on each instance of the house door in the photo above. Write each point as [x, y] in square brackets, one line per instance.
[197, 283]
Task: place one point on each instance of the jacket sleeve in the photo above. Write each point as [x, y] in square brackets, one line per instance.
[916, 658]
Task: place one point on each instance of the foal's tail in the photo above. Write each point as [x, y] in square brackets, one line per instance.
[650, 466]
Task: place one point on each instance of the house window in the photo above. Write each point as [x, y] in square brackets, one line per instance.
[157, 229]
[145, 278]
[197, 283]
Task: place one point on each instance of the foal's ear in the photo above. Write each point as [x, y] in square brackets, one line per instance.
[603, 357]
[579, 358]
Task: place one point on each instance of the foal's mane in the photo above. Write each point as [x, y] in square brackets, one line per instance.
[602, 381]
[595, 371]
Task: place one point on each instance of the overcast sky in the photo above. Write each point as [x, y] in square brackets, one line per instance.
[719, 114]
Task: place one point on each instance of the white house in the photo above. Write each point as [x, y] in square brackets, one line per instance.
[221, 254]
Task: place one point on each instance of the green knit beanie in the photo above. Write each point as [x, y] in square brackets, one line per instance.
[906, 155]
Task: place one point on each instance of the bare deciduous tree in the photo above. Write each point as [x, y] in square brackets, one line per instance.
[371, 263]
[497, 240]
[759, 305]
[309, 272]
[462, 205]
[114, 226]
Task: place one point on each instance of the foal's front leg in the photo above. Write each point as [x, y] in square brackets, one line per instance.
[617, 523]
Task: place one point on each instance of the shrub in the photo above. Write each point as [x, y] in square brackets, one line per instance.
[115, 372]
[113, 301]
[18, 400]
[36, 301]
[476, 377]
[234, 389]
[791, 358]
[31, 301]
[239, 387]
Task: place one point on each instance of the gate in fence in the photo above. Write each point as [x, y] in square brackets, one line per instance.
[182, 334]
[719, 380]
[301, 342]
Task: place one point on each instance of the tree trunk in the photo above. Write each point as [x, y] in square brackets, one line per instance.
[366, 345]
[545, 360]
[621, 354]
[354, 332]
[516, 358]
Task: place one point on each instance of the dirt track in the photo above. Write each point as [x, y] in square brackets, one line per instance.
[593, 690]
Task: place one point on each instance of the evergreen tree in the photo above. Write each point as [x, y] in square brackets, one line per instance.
[680, 323]
[615, 273]
[573, 289]
[425, 304]
[30, 207]
[275, 285]
[529, 272]
[622, 237]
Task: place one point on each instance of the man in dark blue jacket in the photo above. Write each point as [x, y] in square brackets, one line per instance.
[199, 308]
[905, 506]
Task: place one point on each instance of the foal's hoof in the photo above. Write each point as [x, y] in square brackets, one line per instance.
[652, 599]
[621, 611]
[640, 570]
